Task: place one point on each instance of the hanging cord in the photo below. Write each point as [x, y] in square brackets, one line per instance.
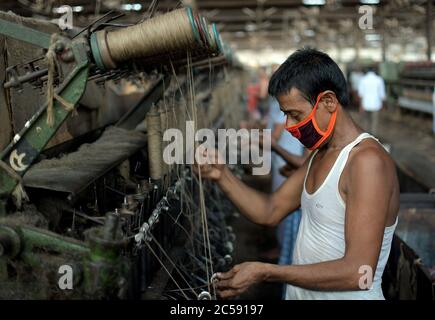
[163, 266]
[53, 67]
[185, 196]
[154, 136]
[150, 11]
[179, 88]
[189, 208]
[206, 238]
[172, 262]
[187, 289]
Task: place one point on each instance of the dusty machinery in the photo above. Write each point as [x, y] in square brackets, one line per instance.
[88, 208]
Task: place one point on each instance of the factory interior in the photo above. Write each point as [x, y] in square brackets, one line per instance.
[106, 105]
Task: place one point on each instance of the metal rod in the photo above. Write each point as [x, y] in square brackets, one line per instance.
[429, 21]
[27, 77]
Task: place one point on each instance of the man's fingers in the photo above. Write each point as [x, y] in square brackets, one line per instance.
[226, 275]
[227, 293]
[230, 293]
[224, 284]
[205, 168]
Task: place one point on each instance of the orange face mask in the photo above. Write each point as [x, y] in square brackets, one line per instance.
[308, 132]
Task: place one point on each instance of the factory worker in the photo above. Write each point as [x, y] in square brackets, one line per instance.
[347, 190]
[371, 90]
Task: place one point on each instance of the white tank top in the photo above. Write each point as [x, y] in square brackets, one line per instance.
[321, 232]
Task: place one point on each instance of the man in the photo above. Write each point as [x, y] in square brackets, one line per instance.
[348, 192]
[252, 97]
[263, 101]
[354, 79]
[433, 116]
[371, 90]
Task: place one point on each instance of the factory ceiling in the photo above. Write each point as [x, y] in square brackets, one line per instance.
[271, 23]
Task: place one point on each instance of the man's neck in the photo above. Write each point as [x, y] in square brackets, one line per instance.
[345, 131]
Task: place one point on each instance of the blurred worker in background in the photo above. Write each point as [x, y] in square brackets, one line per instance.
[263, 97]
[355, 79]
[371, 90]
[433, 116]
[252, 97]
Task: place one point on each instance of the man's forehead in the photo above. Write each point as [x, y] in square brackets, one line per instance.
[292, 94]
[292, 99]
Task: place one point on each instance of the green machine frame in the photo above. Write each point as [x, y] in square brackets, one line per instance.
[100, 262]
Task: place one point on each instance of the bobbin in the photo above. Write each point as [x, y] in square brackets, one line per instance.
[217, 38]
[100, 50]
[213, 43]
[200, 29]
[206, 28]
[107, 57]
[193, 24]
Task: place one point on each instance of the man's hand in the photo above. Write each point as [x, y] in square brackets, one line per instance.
[287, 170]
[239, 278]
[273, 141]
[212, 166]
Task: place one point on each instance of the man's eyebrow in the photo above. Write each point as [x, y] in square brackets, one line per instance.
[289, 110]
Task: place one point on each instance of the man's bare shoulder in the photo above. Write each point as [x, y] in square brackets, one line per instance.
[372, 171]
[371, 155]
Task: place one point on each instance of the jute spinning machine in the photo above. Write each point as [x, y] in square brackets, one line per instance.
[88, 208]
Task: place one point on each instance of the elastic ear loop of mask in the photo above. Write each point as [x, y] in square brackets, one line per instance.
[328, 131]
[311, 116]
[308, 118]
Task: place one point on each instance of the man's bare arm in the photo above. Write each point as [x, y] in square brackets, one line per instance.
[367, 202]
[278, 128]
[259, 207]
[295, 161]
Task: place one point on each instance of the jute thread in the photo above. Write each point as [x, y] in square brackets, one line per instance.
[154, 134]
[51, 95]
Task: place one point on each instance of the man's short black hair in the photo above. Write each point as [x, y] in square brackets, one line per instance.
[311, 72]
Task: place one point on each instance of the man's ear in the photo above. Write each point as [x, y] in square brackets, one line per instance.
[329, 101]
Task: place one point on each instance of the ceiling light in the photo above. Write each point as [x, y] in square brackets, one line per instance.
[249, 12]
[131, 7]
[313, 2]
[250, 27]
[59, 10]
[373, 37]
[369, 1]
[77, 8]
[309, 33]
